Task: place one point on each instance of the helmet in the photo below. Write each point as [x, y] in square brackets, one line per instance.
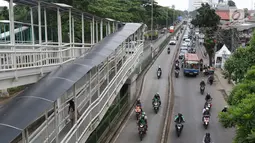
[138, 99]
[208, 94]
[179, 114]
[207, 134]
[157, 93]
[226, 106]
[159, 67]
[206, 108]
[203, 80]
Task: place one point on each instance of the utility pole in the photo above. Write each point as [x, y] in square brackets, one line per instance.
[152, 1]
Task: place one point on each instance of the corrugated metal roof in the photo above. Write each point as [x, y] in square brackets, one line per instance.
[25, 108]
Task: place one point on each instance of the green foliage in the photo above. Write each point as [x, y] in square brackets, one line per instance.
[241, 113]
[120, 10]
[231, 3]
[207, 18]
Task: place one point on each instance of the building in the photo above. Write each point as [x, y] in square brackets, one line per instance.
[195, 4]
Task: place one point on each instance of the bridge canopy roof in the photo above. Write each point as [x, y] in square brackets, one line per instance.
[31, 104]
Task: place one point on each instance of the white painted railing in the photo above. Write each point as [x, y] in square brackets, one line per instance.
[25, 56]
[93, 115]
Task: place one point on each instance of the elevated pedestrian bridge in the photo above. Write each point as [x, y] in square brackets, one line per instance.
[31, 50]
[92, 81]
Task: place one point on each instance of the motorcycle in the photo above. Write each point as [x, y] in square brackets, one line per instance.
[176, 73]
[202, 89]
[168, 50]
[178, 127]
[156, 106]
[137, 112]
[159, 74]
[141, 131]
[206, 121]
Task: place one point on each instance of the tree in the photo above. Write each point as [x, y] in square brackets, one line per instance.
[241, 112]
[207, 20]
[240, 61]
[231, 3]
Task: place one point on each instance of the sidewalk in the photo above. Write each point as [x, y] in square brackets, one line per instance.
[221, 83]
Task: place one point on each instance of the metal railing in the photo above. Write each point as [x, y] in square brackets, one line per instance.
[96, 111]
[23, 56]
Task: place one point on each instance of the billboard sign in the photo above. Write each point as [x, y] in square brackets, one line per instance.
[236, 14]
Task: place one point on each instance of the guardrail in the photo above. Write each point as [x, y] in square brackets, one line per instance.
[88, 121]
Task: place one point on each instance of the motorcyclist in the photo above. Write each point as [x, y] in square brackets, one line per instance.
[159, 69]
[207, 138]
[179, 118]
[156, 97]
[177, 67]
[211, 78]
[208, 97]
[202, 83]
[138, 103]
[143, 120]
[206, 112]
[225, 109]
[177, 61]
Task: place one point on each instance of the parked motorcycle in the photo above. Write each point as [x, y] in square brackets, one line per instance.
[176, 73]
[178, 128]
[156, 106]
[206, 121]
[141, 131]
[202, 89]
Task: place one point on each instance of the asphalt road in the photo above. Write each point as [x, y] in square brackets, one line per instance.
[189, 102]
[129, 132]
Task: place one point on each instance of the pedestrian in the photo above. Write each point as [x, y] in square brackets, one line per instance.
[71, 111]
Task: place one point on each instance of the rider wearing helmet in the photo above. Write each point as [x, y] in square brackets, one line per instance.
[202, 83]
[208, 97]
[206, 112]
[156, 97]
[138, 102]
[143, 120]
[225, 109]
[179, 118]
[207, 138]
[159, 69]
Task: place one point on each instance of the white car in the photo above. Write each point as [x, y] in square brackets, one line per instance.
[172, 42]
[184, 44]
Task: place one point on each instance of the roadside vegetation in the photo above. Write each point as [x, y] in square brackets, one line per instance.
[240, 67]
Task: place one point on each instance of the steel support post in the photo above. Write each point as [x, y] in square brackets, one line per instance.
[46, 33]
[70, 27]
[40, 34]
[82, 32]
[75, 110]
[101, 30]
[39, 22]
[12, 35]
[59, 35]
[91, 34]
[73, 49]
[32, 32]
[109, 28]
[93, 29]
[47, 125]
[96, 32]
[90, 93]
[56, 121]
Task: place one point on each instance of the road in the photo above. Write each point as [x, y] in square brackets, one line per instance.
[129, 132]
[189, 102]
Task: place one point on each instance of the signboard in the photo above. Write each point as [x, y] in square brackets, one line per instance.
[236, 14]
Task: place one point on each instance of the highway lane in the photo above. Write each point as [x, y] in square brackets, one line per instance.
[129, 132]
[189, 102]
